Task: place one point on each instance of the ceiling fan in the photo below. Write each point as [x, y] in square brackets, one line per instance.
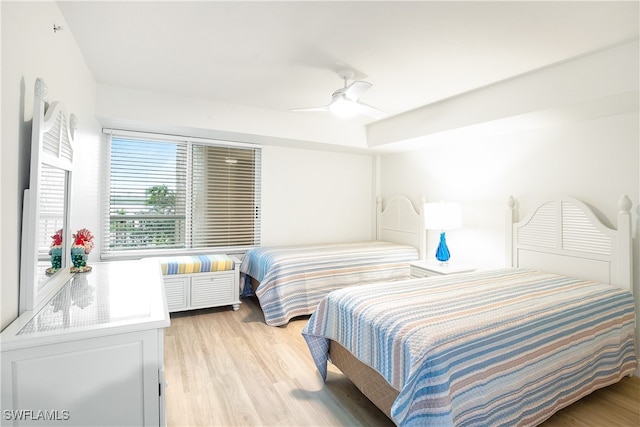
[344, 101]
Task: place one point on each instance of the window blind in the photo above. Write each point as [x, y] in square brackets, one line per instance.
[166, 195]
[52, 198]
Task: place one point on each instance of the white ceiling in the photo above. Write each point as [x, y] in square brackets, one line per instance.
[284, 55]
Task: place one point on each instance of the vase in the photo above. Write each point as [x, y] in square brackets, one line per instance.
[442, 253]
[78, 256]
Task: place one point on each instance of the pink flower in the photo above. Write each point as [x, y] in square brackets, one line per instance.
[83, 237]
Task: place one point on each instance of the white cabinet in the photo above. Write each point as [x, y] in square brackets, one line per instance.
[90, 355]
[202, 290]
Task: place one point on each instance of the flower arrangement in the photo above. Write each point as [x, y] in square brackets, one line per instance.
[84, 238]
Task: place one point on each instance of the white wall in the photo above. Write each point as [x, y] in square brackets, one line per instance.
[316, 196]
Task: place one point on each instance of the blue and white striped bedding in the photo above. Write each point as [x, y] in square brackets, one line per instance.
[505, 347]
[294, 279]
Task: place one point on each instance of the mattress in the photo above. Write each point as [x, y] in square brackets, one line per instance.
[294, 279]
[501, 347]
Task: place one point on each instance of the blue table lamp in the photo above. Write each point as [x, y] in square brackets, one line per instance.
[442, 216]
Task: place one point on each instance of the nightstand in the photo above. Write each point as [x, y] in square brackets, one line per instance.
[434, 268]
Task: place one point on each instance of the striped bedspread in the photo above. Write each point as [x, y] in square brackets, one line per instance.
[294, 279]
[505, 347]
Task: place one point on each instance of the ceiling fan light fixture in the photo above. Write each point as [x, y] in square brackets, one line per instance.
[344, 108]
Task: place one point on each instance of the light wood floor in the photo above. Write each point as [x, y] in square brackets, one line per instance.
[227, 368]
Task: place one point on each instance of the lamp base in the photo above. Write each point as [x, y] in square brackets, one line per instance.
[442, 253]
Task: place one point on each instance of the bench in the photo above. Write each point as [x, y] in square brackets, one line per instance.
[201, 281]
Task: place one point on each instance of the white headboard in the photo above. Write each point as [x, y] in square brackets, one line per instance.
[564, 236]
[400, 222]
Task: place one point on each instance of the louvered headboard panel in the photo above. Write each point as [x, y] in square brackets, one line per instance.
[56, 133]
[564, 236]
[400, 222]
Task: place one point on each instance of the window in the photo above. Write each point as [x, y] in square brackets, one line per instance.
[166, 194]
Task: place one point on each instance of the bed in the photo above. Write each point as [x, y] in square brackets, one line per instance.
[508, 346]
[289, 281]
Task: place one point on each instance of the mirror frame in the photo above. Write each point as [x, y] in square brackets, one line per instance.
[51, 144]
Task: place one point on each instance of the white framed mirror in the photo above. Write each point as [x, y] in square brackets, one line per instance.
[45, 255]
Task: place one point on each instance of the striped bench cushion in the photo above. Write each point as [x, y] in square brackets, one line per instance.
[196, 264]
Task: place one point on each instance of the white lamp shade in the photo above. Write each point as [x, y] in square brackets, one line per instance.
[442, 216]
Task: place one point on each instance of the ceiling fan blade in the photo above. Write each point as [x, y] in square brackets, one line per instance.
[356, 89]
[323, 108]
[370, 111]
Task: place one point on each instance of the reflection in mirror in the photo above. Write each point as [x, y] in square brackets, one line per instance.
[51, 223]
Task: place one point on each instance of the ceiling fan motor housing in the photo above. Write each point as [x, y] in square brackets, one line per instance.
[345, 75]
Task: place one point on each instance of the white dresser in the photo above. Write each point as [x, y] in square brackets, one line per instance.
[90, 355]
